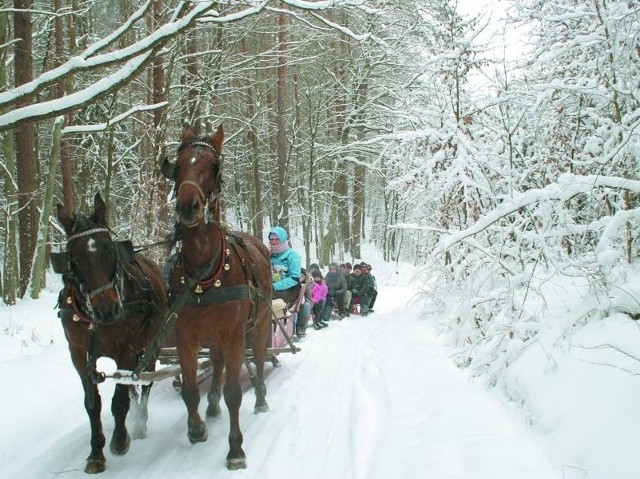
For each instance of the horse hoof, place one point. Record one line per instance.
(119, 447)
(95, 466)
(237, 463)
(197, 434)
(213, 410)
(139, 432)
(259, 409)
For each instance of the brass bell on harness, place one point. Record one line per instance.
(198, 289)
(217, 283)
(75, 318)
(227, 266)
(69, 300)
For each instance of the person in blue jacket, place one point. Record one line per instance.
(285, 265)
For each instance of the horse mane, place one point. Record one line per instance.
(83, 223)
(174, 237)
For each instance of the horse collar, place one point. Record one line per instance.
(78, 315)
(214, 279)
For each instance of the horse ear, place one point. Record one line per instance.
(99, 210)
(217, 139)
(187, 132)
(169, 169)
(66, 220)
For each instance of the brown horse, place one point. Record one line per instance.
(112, 305)
(225, 280)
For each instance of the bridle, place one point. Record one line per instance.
(212, 196)
(116, 283)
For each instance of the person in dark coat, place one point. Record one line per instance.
(346, 304)
(373, 294)
(360, 285)
(337, 288)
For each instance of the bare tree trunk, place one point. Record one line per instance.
(11, 255)
(193, 97)
(359, 171)
(158, 204)
(256, 213)
(358, 211)
(303, 193)
(10, 265)
(37, 280)
(67, 165)
(281, 122)
(26, 160)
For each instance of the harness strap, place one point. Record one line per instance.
(88, 232)
(195, 186)
(113, 284)
(130, 308)
(228, 293)
(188, 298)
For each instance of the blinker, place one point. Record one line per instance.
(60, 262)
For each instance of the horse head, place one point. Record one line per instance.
(197, 176)
(92, 262)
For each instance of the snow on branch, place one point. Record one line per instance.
(87, 60)
(564, 189)
(78, 99)
(113, 121)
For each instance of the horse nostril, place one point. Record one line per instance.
(187, 209)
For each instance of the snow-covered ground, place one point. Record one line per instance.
(376, 397)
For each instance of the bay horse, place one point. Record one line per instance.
(112, 305)
(224, 280)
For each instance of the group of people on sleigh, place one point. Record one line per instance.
(314, 296)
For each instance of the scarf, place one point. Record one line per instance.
(279, 248)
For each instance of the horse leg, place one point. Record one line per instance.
(120, 402)
(196, 428)
(217, 360)
(236, 459)
(96, 461)
(259, 356)
(138, 412)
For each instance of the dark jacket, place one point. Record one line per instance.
(359, 285)
(336, 283)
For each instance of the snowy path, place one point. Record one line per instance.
(367, 398)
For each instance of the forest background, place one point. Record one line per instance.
(499, 152)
